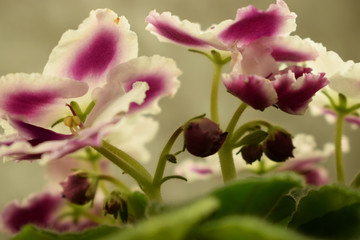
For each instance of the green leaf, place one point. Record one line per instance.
(244, 227)
(255, 196)
(173, 225)
(30, 232)
(283, 211)
(356, 182)
(331, 212)
(253, 138)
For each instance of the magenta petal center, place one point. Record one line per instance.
(156, 88)
(96, 57)
(202, 171)
(28, 103)
(39, 212)
(288, 55)
(253, 26)
(177, 35)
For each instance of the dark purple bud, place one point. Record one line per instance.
(278, 146)
(78, 189)
(203, 137)
(251, 153)
(116, 205)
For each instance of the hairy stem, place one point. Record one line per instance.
(163, 160)
(130, 166)
(225, 153)
(214, 111)
(338, 147)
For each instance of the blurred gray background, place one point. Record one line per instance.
(29, 29)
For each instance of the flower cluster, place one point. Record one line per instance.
(259, 43)
(93, 102)
(92, 81)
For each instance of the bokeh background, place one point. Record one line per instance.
(29, 29)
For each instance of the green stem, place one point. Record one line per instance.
(262, 169)
(225, 153)
(227, 162)
(338, 147)
(214, 111)
(114, 181)
(97, 168)
(235, 118)
(162, 159)
(130, 166)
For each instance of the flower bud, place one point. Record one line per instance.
(251, 153)
(278, 146)
(203, 137)
(78, 189)
(116, 205)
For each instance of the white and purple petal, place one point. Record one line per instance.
(87, 54)
(37, 98)
(292, 49)
(169, 28)
(158, 72)
(38, 210)
(36, 135)
(34, 142)
(198, 170)
(30, 142)
(328, 61)
(23, 149)
(256, 59)
(251, 24)
(294, 95)
(132, 134)
(347, 82)
(111, 101)
(254, 90)
(330, 115)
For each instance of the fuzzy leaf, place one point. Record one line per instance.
(172, 225)
(30, 232)
(283, 210)
(245, 227)
(332, 212)
(255, 196)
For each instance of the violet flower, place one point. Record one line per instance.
(42, 210)
(344, 79)
(39, 210)
(257, 80)
(258, 42)
(249, 25)
(95, 63)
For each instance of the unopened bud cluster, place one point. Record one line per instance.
(278, 147)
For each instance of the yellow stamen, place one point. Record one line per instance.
(68, 121)
(73, 122)
(76, 120)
